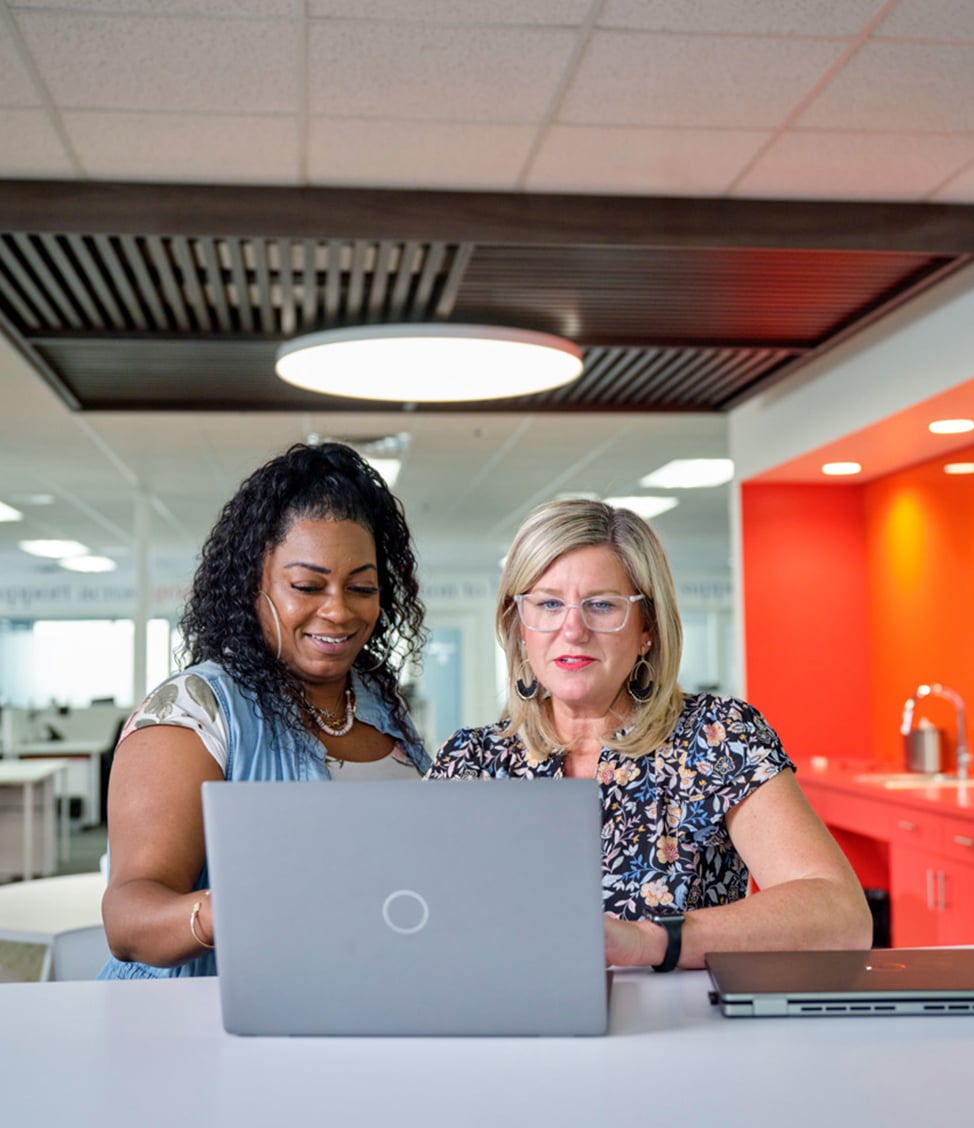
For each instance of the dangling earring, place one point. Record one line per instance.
(640, 684)
(277, 621)
(382, 621)
(527, 691)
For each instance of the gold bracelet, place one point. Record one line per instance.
(193, 918)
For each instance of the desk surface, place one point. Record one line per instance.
(155, 1053)
(36, 911)
(20, 772)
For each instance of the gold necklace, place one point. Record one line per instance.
(337, 721)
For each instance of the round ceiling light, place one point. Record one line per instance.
(428, 363)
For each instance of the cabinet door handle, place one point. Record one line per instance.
(963, 840)
(905, 824)
(931, 905)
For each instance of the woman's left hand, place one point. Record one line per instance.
(633, 943)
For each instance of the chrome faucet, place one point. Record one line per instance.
(963, 754)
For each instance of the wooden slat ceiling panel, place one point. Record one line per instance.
(678, 305)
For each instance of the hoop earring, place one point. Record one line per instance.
(640, 685)
(527, 691)
(277, 622)
(382, 621)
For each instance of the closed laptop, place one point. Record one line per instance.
(441, 908)
(882, 981)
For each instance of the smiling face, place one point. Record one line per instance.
(324, 581)
(585, 670)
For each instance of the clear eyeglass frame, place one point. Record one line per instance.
(583, 609)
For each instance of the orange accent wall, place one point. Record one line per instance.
(853, 596)
(805, 622)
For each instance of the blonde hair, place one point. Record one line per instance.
(548, 532)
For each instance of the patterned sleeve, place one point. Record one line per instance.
(461, 757)
(186, 701)
(732, 744)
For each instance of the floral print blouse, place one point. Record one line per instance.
(665, 844)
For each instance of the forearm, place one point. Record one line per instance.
(147, 922)
(800, 914)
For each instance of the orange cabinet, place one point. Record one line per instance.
(929, 855)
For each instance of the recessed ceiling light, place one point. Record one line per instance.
(53, 549)
(690, 474)
(441, 362)
(951, 426)
(841, 469)
(647, 506)
(89, 564)
(8, 513)
(959, 468)
(34, 499)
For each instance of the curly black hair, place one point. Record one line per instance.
(219, 623)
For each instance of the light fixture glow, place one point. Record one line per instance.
(648, 506)
(690, 474)
(89, 564)
(951, 426)
(841, 469)
(53, 549)
(8, 513)
(959, 468)
(387, 468)
(428, 363)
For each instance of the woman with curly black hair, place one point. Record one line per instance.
(303, 611)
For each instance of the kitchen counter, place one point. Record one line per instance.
(917, 843)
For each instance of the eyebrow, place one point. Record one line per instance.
(321, 571)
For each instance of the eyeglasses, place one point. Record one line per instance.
(604, 613)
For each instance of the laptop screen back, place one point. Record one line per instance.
(443, 908)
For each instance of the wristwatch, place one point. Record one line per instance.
(673, 923)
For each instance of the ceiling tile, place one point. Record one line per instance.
(616, 159)
(231, 8)
(561, 13)
(447, 74)
(30, 146)
(743, 17)
(916, 86)
(857, 166)
(700, 80)
(147, 63)
(416, 154)
(172, 147)
(950, 20)
(16, 87)
(959, 190)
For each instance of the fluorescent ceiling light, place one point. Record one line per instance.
(647, 506)
(387, 468)
(89, 564)
(8, 513)
(53, 549)
(951, 426)
(690, 474)
(428, 363)
(959, 468)
(841, 469)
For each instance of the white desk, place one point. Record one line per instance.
(37, 912)
(155, 1054)
(28, 775)
(84, 772)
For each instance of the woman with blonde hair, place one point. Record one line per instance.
(698, 794)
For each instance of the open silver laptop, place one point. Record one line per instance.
(931, 981)
(440, 908)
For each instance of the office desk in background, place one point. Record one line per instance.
(32, 820)
(83, 777)
(154, 1053)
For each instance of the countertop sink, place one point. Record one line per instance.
(904, 780)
